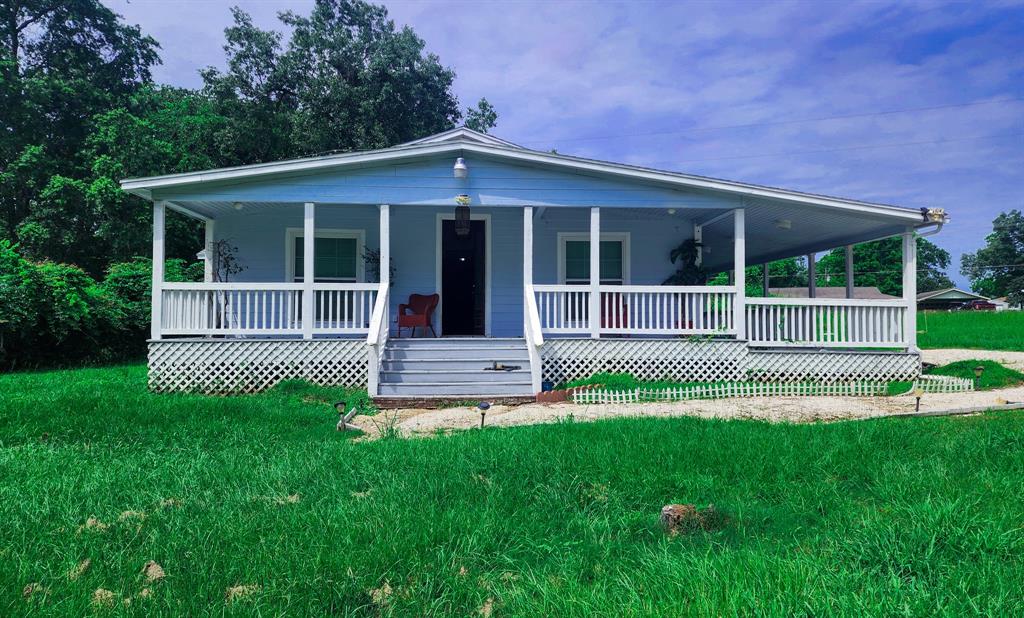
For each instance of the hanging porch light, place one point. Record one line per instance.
(462, 215)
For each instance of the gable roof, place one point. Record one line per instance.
(463, 141)
(938, 294)
(463, 133)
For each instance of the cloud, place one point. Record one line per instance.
(664, 82)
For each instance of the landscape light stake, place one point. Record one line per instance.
(917, 394)
(980, 369)
(483, 406)
(343, 418)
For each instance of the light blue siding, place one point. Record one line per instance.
(260, 232)
(430, 182)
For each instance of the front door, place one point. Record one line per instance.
(463, 264)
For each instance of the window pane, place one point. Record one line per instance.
(577, 261)
(334, 259)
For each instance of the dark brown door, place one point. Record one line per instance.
(463, 263)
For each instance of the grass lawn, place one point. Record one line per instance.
(980, 330)
(899, 516)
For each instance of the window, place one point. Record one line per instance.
(575, 266)
(337, 256)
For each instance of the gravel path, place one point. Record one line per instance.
(419, 422)
(1014, 360)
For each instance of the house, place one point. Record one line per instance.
(945, 299)
(1003, 304)
(866, 292)
(509, 238)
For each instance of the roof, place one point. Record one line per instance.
(865, 292)
(949, 294)
(463, 140)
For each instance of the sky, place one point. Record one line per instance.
(919, 104)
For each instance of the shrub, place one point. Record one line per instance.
(56, 314)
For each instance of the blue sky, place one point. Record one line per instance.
(803, 95)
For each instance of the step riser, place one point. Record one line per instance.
(482, 377)
(448, 365)
(453, 343)
(452, 390)
(457, 354)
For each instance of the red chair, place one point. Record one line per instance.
(614, 311)
(418, 312)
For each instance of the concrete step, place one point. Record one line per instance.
(471, 376)
(451, 364)
(456, 389)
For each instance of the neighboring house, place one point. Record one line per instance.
(1003, 304)
(509, 238)
(867, 293)
(945, 299)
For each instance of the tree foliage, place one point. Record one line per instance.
(879, 264)
(997, 269)
(79, 112)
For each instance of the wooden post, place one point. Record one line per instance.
(308, 259)
(739, 264)
(698, 239)
(595, 272)
(849, 271)
(210, 253)
(766, 283)
(385, 245)
(812, 277)
(159, 218)
(527, 246)
(910, 289)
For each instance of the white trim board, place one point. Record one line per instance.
(486, 218)
(292, 233)
(575, 236)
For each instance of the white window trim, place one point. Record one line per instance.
(295, 232)
(622, 237)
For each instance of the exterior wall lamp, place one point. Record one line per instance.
(460, 169)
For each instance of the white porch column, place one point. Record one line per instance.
(812, 277)
(739, 264)
(766, 280)
(595, 272)
(527, 246)
(159, 218)
(910, 289)
(308, 258)
(385, 245)
(208, 248)
(849, 271)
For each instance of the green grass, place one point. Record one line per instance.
(980, 330)
(994, 375)
(898, 516)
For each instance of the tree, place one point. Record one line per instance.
(878, 264)
(348, 79)
(997, 269)
(481, 118)
(785, 273)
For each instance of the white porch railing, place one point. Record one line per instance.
(533, 333)
(638, 309)
(822, 322)
(377, 338)
(264, 308)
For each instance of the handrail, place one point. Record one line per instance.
(377, 320)
(222, 287)
(839, 302)
(533, 334)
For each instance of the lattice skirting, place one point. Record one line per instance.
(713, 360)
(253, 365)
(792, 365)
(686, 360)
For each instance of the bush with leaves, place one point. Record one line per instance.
(56, 314)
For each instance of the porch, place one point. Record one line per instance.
(562, 257)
